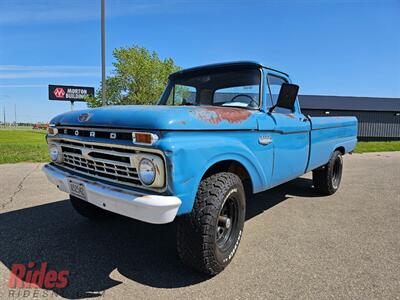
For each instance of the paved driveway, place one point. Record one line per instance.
(295, 245)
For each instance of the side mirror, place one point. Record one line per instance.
(287, 96)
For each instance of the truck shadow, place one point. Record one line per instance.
(97, 254)
(299, 187)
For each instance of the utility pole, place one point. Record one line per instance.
(103, 54)
(4, 115)
(15, 114)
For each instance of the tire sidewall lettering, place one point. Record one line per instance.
(224, 257)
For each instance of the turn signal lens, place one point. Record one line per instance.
(52, 130)
(144, 138)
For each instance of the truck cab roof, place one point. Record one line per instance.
(225, 65)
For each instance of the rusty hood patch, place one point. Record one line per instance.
(215, 115)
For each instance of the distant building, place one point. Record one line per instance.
(378, 118)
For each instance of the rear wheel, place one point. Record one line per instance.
(89, 210)
(327, 178)
(208, 237)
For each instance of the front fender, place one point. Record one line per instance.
(189, 156)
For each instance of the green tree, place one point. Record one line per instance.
(139, 77)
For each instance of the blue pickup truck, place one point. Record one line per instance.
(218, 134)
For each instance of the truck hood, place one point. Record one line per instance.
(161, 118)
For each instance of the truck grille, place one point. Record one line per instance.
(104, 162)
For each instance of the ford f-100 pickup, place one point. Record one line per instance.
(219, 132)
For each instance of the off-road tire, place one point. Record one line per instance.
(201, 243)
(327, 178)
(89, 210)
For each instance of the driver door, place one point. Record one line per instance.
(291, 136)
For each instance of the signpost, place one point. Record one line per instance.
(103, 53)
(70, 93)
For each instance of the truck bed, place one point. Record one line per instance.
(328, 134)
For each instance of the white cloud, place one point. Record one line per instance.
(50, 67)
(21, 86)
(47, 75)
(19, 71)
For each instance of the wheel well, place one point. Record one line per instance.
(234, 167)
(341, 149)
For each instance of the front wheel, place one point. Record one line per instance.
(327, 178)
(208, 237)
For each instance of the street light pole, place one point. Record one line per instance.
(103, 54)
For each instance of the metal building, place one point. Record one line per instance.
(378, 118)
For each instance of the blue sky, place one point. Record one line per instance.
(330, 47)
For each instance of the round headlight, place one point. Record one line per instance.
(147, 171)
(55, 154)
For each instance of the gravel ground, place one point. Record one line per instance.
(296, 244)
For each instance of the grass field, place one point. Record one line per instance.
(18, 145)
(363, 147)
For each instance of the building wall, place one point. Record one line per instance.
(372, 125)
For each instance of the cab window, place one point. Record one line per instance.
(275, 83)
(182, 95)
(245, 95)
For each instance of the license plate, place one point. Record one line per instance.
(77, 189)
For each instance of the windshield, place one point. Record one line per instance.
(233, 88)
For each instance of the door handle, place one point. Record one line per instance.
(303, 119)
(265, 140)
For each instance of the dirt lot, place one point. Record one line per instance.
(295, 245)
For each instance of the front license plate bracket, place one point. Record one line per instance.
(77, 189)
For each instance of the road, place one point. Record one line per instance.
(296, 244)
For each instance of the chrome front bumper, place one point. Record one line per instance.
(154, 209)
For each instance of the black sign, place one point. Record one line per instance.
(69, 93)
